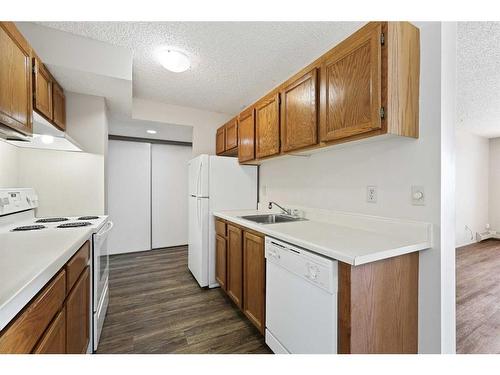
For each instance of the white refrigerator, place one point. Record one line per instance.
(216, 183)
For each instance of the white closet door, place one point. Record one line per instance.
(129, 196)
(169, 179)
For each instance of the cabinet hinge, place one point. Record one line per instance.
(382, 112)
(382, 39)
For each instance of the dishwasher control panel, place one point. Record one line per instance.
(314, 268)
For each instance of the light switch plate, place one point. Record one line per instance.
(371, 194)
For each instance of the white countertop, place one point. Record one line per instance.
(349, 238)
(28, 260)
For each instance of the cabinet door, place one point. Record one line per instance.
(78, 315)
(235, 265)
(231, 136)
(221, 260)
(43, 90)
(58, 106)
(267, 126)
(54, 339)
(254, 272)
(351, 86)
(246, 136)
(299, 113)
(220, 146)
(25, 330)
(15, 79)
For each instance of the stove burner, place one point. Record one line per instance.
(88, 218)
(28, 227)
(75, 224)
(52, 220)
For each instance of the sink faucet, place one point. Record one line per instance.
(285, 210)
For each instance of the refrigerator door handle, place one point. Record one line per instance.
(198, 211)
(198, 182)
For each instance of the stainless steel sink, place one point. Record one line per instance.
(271, 218)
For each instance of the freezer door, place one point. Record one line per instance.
(198, 176)
(198, 239)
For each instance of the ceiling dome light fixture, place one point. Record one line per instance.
(150, 131)
(173, 60)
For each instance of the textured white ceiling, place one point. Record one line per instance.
(478, 77)
(233, 63)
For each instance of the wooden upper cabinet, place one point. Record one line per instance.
(58, 106)
(78, 315)
(234, 284)
(42, 97)
(351, 85)
(254, 272)
(231, 134)
(246, 136)
(299, 112)
(267, 126)
(220, 146)
(15, 79)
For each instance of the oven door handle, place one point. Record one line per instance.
(109, 225)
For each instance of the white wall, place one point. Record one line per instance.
(447, 270)
(494, 184)
(337, 180)
(71, 183)
(472, 175)
(67, 183)
(9, 160)
(204, 123)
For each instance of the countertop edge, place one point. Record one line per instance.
(18, 301)
(330, 253)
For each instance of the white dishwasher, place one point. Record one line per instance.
(301, 300)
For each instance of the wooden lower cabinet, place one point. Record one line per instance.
(235, 265)
(22, 334)
(220, 260)
(78, 315)
(241, 269)
(254, 279)
(54, 339)
(378, 306)
(57, 319)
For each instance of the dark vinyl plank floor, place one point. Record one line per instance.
(156, 306)
(478, 297)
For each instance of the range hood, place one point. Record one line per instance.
(46, 136)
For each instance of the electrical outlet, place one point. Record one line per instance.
(371, 194)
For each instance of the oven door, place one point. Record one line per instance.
(101, 262)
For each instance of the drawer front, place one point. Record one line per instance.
(77, 264)
(54, 340)
(25, 330)
(220, 228)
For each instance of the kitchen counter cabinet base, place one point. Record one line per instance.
(378, 306)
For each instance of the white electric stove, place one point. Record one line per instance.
(17, 215)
